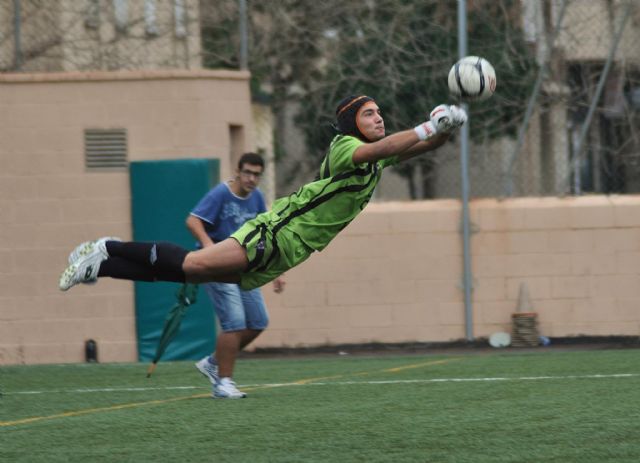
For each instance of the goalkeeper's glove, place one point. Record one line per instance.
(428, 129)
(439, 121)
(425, 130)
(441, 118)
(448, 118)
(458, 116)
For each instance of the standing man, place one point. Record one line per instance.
(242, 314)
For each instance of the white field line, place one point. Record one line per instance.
(105, 389)
(333, 383)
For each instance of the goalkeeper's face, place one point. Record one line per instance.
(369, 121)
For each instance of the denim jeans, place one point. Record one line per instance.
(237, 309)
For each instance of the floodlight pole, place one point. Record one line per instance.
(17, 44)
(244, 40)
(464, 161)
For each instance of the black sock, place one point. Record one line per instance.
(131, 250)
(144, 261)
(118, 267)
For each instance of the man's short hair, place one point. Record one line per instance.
(251, 158)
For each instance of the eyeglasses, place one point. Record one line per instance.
(251, 173)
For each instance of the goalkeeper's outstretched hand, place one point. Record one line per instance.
(443, 119)
(440, 116)
(458, 116)
(439, 122)
(447, 118)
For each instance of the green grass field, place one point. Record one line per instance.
(548, 405)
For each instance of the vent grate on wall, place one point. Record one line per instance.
(105, 148)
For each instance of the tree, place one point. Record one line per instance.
(397, 51)
(401, 52)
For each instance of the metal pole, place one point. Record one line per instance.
(17, 65)
(577, 187)
(244, 46)
(464, 160)
(532, 101)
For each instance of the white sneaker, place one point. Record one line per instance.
(85, 269)
(85, 248)
(210, 370)
(226, 389)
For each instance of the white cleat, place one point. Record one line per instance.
(85, 248)
(226, 389)
(85, 268)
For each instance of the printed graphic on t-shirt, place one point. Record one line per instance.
(235, 214)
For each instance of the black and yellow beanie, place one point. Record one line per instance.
(346, 113)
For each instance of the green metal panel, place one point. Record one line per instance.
(162, 195)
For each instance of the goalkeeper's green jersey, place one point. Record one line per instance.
(307, 220)
(318, 211)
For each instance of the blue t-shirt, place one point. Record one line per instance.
(223, 212)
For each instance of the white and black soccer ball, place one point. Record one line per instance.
(472, 79)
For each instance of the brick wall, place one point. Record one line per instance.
(49, 202)
(395, 274)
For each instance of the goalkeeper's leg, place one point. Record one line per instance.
(156, 261)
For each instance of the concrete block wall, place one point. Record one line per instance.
(395, 274)
(49, 202)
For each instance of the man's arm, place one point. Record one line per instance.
(196, 227)
(386, 147)
(422, 147)
(408, 143)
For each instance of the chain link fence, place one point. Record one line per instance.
(565, 119)
(88, 35)
(582, 135)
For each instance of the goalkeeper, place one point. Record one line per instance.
(296, 226)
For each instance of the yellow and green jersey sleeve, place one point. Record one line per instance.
(340, 156)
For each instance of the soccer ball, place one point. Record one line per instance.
(472, 79)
